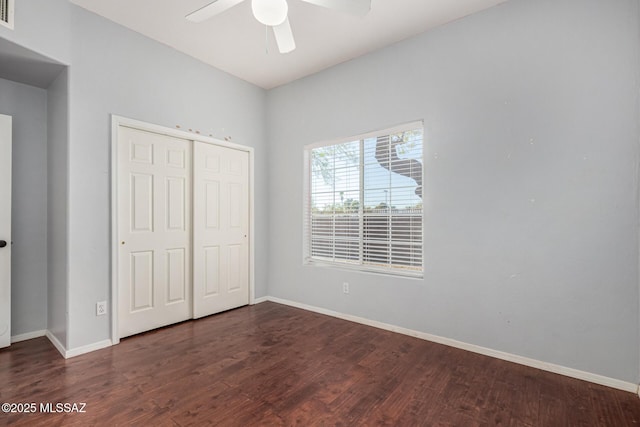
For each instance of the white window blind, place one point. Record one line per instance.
(363, 204)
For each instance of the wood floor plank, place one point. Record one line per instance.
(272, 365)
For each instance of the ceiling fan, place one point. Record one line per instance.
(274, 14)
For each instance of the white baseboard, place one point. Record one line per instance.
(57, 344)
(28, 336)
(549, 367)
(87, 348)
(78, 350)
(260, 300)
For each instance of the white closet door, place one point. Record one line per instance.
(154, 192)
(221, 227)
(5, 231)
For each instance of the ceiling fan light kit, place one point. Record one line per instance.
(273, 13)
(270, 12)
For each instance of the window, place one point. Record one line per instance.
(363, 204)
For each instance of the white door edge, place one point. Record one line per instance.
(116, 123)
(5, 230)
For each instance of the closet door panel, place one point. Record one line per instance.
(221, 227)
(154, 227)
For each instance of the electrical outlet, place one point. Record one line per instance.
(345, 288)
(101, 308)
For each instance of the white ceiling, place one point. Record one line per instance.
(235, 42)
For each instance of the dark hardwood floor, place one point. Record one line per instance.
(274, 365)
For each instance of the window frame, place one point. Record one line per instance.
(308, 259)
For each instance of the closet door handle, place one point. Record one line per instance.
(3, 243)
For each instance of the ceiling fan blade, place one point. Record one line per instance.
(284, 37)
(354, 7)
(212, 9)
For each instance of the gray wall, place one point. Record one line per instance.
(117, 71)
(531, 208)
(57, 182)
(28, 107)
(531, 115)
(43, 26)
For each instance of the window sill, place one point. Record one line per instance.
(419, 275)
